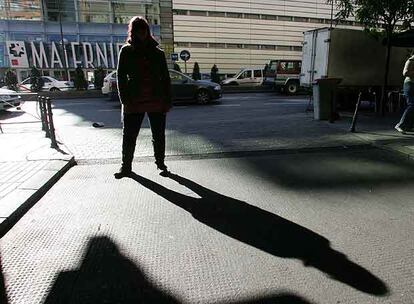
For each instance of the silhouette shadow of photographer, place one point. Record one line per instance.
(105, 275)
(267, 231)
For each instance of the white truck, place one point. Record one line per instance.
(354, 56)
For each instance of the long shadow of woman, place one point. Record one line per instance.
(267, 231)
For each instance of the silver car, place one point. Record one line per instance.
(9, 99)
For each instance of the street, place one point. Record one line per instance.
(264, 205)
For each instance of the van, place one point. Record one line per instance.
(249, 77)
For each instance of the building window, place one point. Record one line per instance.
(252, 46)
(283, 48)
(217, 45)
(252, 16)
(93, 11)
(21, 9)
(285, 18)
(56, 8)
(234, 15)
(180, 12)
(122, 12)
(300, 19)
(217, 14)
(198, 45)
(234, 46)
(268, 47)
(269, 17)
(182, 44)
(297, 48)
(197, 13)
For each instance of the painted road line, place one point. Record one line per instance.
(110, 110)
(227, 105)
(284, 103)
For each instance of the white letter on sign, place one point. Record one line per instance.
(87, 55)
(55, 53)
(39, 60)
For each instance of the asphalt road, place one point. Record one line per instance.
(240, 122)
(257, 210)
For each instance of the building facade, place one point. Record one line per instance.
(57, 36)
(246, 33)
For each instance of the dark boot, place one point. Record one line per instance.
(123, 172)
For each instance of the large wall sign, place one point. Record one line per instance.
(53, 55)
(17, 54)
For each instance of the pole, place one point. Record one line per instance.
(354, 118)
(54, 144)
(65, 64)
(332, 9)
(185, 62)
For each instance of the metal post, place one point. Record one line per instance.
(65, 64)
(354, 119)
(51, 125)
(42, 116)
(43, 108)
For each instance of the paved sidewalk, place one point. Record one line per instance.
(28, 166)
(288, 229)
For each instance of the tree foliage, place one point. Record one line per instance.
(36, 80)
(196, 72)
(384, 14)
(215, 77)
(98, 77)
(80, 80)
(177, 67)
(11, 80)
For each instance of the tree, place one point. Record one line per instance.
(214, 75)
(11, 80)
(378, 14)
(177, 67)
(36, 80)
(98, 75)
(80, 81)
(196, 72)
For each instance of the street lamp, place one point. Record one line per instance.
(62, 41)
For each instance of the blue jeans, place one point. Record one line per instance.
(407, 119)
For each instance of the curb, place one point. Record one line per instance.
(31, 197)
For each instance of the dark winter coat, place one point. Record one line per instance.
(130, 77)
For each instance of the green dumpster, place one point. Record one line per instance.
(324, 98)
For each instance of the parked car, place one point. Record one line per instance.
(8, 99)
(49, 84)
(249, 77)
(183, 88)
(106, 88)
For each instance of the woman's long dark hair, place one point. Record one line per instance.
(136, 23)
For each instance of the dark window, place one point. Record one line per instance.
(283, 48)
(198, 44)
(182, 44)
(300, 19)
(257, 73)
(252, 16)
(180, 12)
(297, 49)
(217, 45)
(284, 18)
(217, 14)
(197, 13)
(252, 46)
(234, 15)
(234, 46)
(269, 17)
(268, 47)
(245, 74)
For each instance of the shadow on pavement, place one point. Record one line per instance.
(268, 232)
(340, 169)
(3, 296)
(107, 276)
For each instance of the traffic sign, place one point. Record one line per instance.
(174, 57)
(185, 55)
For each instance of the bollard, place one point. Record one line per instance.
(42, 113)
(51, 125)
(354, 118)
(45, 115)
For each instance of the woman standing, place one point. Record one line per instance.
(144, 87)
(407, 120)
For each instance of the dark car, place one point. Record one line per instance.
(183, 89)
